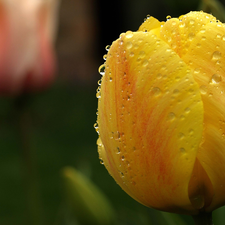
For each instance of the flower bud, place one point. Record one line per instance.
(27, 61)
(161, 113)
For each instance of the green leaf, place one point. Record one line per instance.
(219, 216)
(172, 219)
(87, 203)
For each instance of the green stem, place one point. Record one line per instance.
(23, 124)
(203, 218)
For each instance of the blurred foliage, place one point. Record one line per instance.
(85, 201)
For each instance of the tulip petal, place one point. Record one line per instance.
(199, 40)
(207, 61)
(150, 24)
(150, 117)
(179, 33)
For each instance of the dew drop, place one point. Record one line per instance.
(98, 94)
(121, 42)
(105, 56)
(168, 17)
(187, 110)
(156, 91)
(196, 70)
(174, 23)
(176, 92)
(129, 34)
(216, 55)
(191, 22)
(182, 117)
(171, 116)
(145, 63)
(107, 47)
(203, 89)
(198, 45)
(141, 54)
(159, 75)
(131, 54)
(97, 130)
(203, 38)
(216, 78)
(100, 82)
(129, 45)
(101, 69)
(191, 131)
(182, 25)
(181, 136)
(101, 161)
(191, 36)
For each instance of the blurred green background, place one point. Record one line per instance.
(61, 118)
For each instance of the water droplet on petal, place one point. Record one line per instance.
(145, 63)
(156, 91)
(191, 36)
(181, 136)
(98, 94)
(203, 89)
(97, 130)
(129, 45)
(159, 75)
(191, 22)
(216, 55)
(191, 131)
(216, 78)
(141, 54)
(196, 70)
(107, 47)
(121, 42)
(187, 110)
(176, 92)
(168, 17)
(171, 116)
(101, 69)
(131, 54)
(129, 34)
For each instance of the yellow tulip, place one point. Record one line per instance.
(161, 113)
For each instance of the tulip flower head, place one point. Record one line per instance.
(26, 55)
(161, 113)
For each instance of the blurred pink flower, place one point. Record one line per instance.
(27, 29)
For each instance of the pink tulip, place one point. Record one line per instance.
(27, 61)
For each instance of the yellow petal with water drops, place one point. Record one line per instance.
(206, 58)
(180, 32)
(150, 117)
(149, 24)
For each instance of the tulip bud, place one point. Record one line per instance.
(161, 113)
(26, 53)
